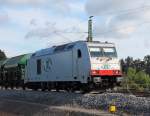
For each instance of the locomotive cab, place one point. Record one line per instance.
(105, 65)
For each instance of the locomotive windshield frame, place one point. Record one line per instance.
(96, 51)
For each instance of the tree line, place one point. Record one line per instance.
(2, 55)
(138, 64)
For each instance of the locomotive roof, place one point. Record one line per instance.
(43, 51)
(53, 49)
(69, 46)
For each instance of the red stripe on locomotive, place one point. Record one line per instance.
(106, 73)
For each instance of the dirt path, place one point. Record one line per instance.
(11, 107)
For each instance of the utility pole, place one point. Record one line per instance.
(90, 36)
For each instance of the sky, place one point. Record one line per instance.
(30, 25)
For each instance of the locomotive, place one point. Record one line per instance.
(76, 65)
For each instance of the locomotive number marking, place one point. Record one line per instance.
(48, 65)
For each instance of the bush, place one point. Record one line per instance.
(136, 80)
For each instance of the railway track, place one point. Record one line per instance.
(131, 92)
(127, 92)
(137, 93)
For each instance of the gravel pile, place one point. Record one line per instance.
(124, 103)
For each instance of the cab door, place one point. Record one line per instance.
(77, 70)
(79, 63)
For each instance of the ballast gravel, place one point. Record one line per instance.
(124, 103)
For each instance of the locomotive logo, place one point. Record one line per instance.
(105, 66)
(48, 65)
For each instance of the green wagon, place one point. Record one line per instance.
(14, 71)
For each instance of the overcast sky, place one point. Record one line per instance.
(29, 25)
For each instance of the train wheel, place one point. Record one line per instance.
(34, 89)
(43, 88)
(24, 87)
(57, 89)
(49, 87)
(1, 86)
(71, 89)
(85, 88)
(67, 89)
(12, 87)
(6, 87)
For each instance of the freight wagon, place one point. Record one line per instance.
(13, 71)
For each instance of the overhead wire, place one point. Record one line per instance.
(127, 11)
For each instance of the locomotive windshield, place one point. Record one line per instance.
(110, 52)
(103, 52)
(96, 52)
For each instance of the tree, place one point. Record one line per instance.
(138, 65)
(123, 65)
(2, 55)
(129, 61)
(147, 64)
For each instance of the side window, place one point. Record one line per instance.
(79, 53)
(39, 66)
